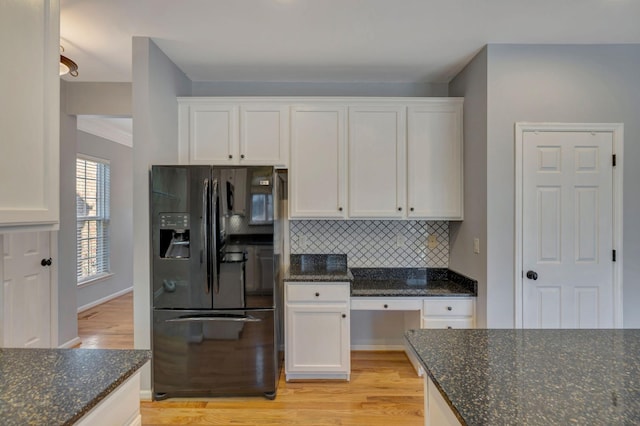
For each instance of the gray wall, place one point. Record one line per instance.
(471, 83)
(156, 83)
(83, 98)
(67, 287)
(262, 88)
(579, 83)
(121, 221)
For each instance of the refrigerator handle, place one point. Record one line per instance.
(205, 232)
(239, 318)
(215, 227)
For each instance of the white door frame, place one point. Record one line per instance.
(617, 129)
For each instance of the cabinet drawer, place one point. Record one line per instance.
(448, 307)
(428, 322)
(385, 304)
(318, 292)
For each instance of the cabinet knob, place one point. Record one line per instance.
(411, 209)
(230, 156)
(449, 308)
(449, 326)
(46, 262)
(399, 209)
(242, 156)
(317, 294)
(532, 275)
(339, 209)
(344, 315)
(386, 306)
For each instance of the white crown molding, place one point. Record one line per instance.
(114, 129)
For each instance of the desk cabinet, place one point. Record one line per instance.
(317, 336)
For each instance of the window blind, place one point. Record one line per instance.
(92, 212)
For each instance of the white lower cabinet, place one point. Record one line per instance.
(120, 407)
(450, 312)
(317, 331)
(436, 410)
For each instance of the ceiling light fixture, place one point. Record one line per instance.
(67, 66)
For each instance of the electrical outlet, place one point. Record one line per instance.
(401, 241)
(476, 245)
(432, 241)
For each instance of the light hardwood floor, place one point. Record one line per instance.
(384, 389)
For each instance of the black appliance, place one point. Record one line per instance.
(210, 337)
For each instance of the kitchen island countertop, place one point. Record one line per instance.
(534, 377)
(59, 386)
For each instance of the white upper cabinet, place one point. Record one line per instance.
(377, 178)
(317, 175)
(264, 134)
(434, 160)
(232, 131)
(29, 115)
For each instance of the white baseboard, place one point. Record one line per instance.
(377, 348)
(71, 343)
(145, 395)
(104, 299)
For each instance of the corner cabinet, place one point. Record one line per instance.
(233, 131)
(317, 330)
(434, 160)
(29, 115)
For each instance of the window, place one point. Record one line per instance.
(92, 212)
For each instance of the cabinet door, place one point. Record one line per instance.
(264, 134)
(317, 162)
(318, 339)
(434, 153)
(29, 114)
(377, 140)
(213, 134)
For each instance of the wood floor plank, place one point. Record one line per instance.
(384, 388)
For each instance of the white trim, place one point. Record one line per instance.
(94, 279)
(145, 395)
(104, 299)
(617, 130)
(53, 289)
(110, 128)
(71, 343)
(399, 348)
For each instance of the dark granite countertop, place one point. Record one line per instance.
(59, 386)
(534, 377)
(419, 282)
(318, 268)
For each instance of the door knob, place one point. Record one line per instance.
(532, 275)
(46, 262)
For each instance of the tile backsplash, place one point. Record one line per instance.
(374, 243)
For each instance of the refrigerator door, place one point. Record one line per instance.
(180, 207)
(214, 353)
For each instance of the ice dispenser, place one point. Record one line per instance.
(174, 235)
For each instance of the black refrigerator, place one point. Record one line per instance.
(210, 336)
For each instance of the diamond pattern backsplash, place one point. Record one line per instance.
(374, 243)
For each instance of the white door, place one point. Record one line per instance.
(434, 160)
(567, 229)
(213, 134)
(264, 134)
(26, 290)
(377, 172)
(317, 174)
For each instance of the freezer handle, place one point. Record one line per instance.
(205, 231)
(215, 212)
(233, 318)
